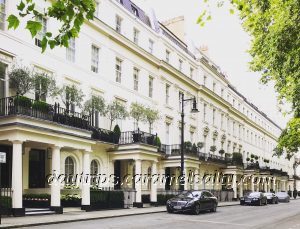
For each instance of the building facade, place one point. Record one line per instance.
(126, 55)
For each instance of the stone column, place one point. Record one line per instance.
(283, 186)
(55, 185)
(196, 179)
(16, 179)
(234, 187)
(108, 182)
(265, 184)
(252, 184)
(241, 188)
(85, 188)
(26, 167)
(186, 181)
(274, 184)
(153, 195)
(138, 184)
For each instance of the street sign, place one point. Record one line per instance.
(2, 157)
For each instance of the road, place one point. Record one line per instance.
(281, 216)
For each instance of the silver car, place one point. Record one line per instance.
(283, 197)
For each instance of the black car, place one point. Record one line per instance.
(271, 198)
(254, 198)
(193, 201)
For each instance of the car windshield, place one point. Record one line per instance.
(185, 195)
(254, 194)
(281, 194)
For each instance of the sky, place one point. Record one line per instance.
(227, 44)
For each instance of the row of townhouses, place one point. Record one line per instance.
(126, 55)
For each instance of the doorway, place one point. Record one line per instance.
(37, 168)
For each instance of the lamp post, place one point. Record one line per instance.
(194, 110)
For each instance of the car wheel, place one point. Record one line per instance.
(169, 210)
(196, 210)
(214, 209)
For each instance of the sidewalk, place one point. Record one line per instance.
(74, 214)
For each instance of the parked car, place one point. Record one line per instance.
(283, 197)
(254, 198)
(271, 197)
(193, 201)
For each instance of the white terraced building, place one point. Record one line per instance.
(126, 55)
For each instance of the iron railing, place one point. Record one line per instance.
(6, 201)
(174, 150)
(138, 136)
(104, 135)
(20, 105)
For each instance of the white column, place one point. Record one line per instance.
(252, 184)
(55, 186)
(196, 179)
(241, 188)
(153, 195)
(274, 184)
(265, 184)
(234, 187)
(138, 182)
(16, 179)
(186, 176)
(111, 169)
(85, 190)
(283, 186)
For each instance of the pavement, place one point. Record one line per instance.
(272, 216)
(72, 215)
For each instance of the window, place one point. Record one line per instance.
(94, 172)
(180, 64)
(214, 116)
(204, 80)
(71, 50)
(96, 14)
(191, 72)
(135, 79)
(95, 59)
(151, 45)
(150, 86)
(2, 79)
(69, 169)
(118, 24)
(233, 129)
(167, 133)
(135, 11)
(136, 36)
(118, 70)
(214, 87)
(70, 101)
(222, 121)
(167, 56)
(40, 87)
(233, 102)
(204, 111)
(222, 92)
(42, 32)
(120, 1)
(167, 93)
(2, 14)
(180, 100)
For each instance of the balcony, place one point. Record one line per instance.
(20, 105)
(174, 150)
(137, 137)
(252, 166)
(104, 135)
(215, 158)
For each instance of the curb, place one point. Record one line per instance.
(88, 219)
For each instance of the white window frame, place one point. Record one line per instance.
(151, 79)
(95, 58)
(39, 37)
(71, 50)
(118, 69)
(136, 79)
(136, 34)
(167, 94)
(151, 45)
(2, 14)
(168, 56)
(180, 63)
(118, 21)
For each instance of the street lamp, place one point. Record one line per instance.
(194, 110)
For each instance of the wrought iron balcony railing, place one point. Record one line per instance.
(21, 105)
(137, 136)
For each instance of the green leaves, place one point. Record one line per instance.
(62, 11)
(34, 27)
(13, 21)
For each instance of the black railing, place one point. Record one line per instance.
(138, 136)
(253, 166)
(175, 150)
(21, 105)
(104, 135)
(6, 201)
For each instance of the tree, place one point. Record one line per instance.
(44, 85)
(115, 110)
(71, 96)
(95, 103)
(151, 115)
(20, 79)
(70, 15)
(274, 28)
(137, 112)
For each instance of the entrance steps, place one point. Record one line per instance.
(38, 211)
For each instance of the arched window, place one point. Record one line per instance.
(94, 172)
(69, 169)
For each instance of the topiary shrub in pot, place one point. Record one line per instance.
(237, 158)
(117, 133)
(213, 149)
(248, 159)
(157, 141)
(221, 151)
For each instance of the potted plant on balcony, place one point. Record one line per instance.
(221, 152)
(115, 110)
(95, 105)
(151, 116)
(157, 141)
(117, 134)
(247, 159)
(20, 79)
(237, 158)
(213, 149)
(137, 112)
(200, 145)
(194, 149)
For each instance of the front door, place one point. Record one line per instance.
(5, 177)
(37, 168)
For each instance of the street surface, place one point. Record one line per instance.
(281, 216)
